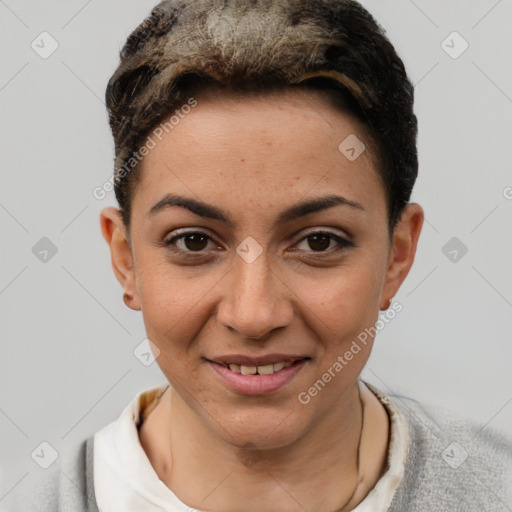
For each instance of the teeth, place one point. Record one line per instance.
(248, 370)
(267, 369)
(278, 367)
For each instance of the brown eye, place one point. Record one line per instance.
(195, 241)
(189, 242)
(320, 242)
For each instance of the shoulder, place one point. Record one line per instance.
(66, 486)
(453, 463)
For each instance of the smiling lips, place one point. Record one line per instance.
(267, 369)
(265, 365)
(262, 375)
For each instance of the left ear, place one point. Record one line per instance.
(402, 252)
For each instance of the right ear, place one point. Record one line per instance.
(115, 234)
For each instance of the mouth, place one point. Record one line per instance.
(258, 366)
(255, 376)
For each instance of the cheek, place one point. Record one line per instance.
(176, 304)
(166, 299)
(344, 310)
(346, 302)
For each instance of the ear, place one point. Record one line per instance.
(402, 252)
(115, 234)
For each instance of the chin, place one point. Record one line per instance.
(259, 429)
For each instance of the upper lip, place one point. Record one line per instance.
(262, 360)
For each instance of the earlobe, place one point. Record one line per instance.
(403, 250)
(114, 233)
(385, 303)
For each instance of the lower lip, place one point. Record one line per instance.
(257, 384)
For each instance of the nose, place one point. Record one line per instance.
(255, 300)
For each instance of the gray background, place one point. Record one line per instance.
(67, 366)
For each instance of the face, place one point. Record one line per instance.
(255, 242)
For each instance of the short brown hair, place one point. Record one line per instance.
(260, 45)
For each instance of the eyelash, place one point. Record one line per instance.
(343, 244)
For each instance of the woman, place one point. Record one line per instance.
(265, 157)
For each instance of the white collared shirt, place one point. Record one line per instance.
(125, 481)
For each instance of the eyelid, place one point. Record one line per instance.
(177, 233)
(343, 240)
(313, 231)
(343, 243)
(169, 242)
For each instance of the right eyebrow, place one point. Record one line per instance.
(292, 213)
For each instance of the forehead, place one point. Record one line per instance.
(265, 148)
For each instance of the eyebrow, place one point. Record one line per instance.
(294, 212)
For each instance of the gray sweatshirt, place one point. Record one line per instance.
(453, 465)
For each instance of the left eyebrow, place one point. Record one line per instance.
(294, 212)
(315, 205)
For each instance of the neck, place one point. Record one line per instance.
(207, 473)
